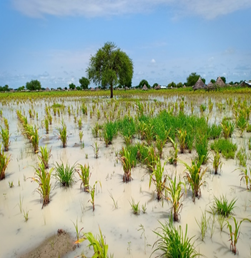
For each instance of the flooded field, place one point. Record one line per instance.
(160, 131)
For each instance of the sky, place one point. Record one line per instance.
(52, 40)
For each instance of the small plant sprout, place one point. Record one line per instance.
(144, 208)
(43, 178)
(92, 193)
(222, 222)
(203, 225)
(26, 215)
(182, 139)
(84, 174)
(44, 155)
(135, 207)
(159, 179)
(81, 134)
(11, 184)
(46, 124)
(174, 153)
(143, 234)
(115, 203)
(234, 233)
(4, 161)
(95, 149)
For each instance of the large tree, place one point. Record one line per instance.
(33, 85)
(144, 82)
(193, 78)
(84, 83)
(110, 66)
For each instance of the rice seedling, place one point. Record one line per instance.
(46, 124)
(225, 147)
(63, 134)
(84, 109)
(151, 158)
(96, 129)
(80, 124)
(92, 193)
(44, 155)
(4, 161)
(241, 124)
(174, 193)
(214, 131)
(242, 157)
(212, 220)
(247, 178)
(135, 207)
(181, 133)
(64, 174)
(43, 179)
(5, 138)
(203, 108)
(216, 162)
(194, 177)
(172, 242)
(110, 130)
(221, 206)
(95, 149)
(32, 134)
(201, 147)
(160, 145)
(84, 174)
(158, 178)
(98, 244)
(234, 232)
(227, 128)
(174, 154)
(81, 134)
(127, 163)
(203, 225)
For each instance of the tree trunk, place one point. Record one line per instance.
(111, 91)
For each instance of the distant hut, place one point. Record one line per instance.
(199, 84)
(126, 88)
(92, 89)
(47, 89)
(157, 87)
(144, 87)
(220, 82)
(184, 86)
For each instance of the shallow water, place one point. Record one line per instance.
(120, 226)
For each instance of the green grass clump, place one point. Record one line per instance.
(4, 161)
(225, 147)
(110, 130)
(214, 131)
(64, 174)
(172, 242)
(222, 207)
(57, 105)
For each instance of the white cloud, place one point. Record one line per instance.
(153, 61)
(208, 9)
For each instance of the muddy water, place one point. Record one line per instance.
(119, 225)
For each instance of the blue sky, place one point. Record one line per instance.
(52, 40)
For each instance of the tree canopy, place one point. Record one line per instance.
(72, 86)
(171, 84)
(155, 84)
(193, 78)
(144, 82)
(84, 83)
(110, 66)
(33, 85)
